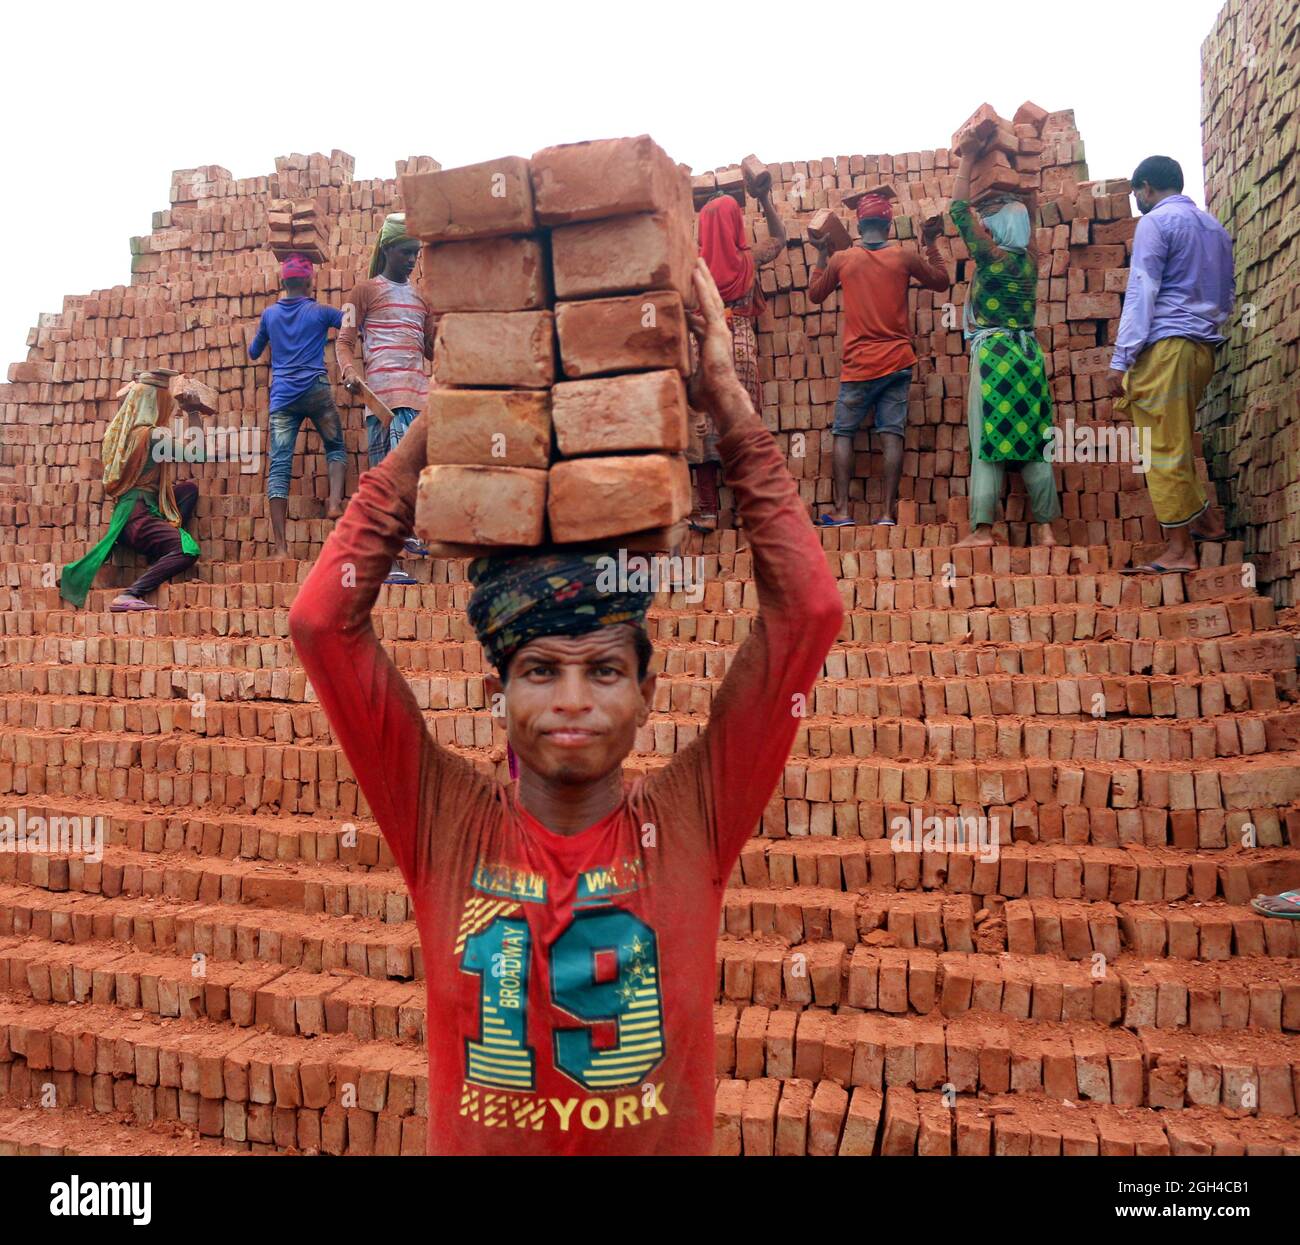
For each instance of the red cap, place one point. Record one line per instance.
(875, 207)
(298, 266)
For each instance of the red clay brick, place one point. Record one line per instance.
(642, 411)
(592, 498)
(499, 349)
(474, 201)
(489, 274)
(638, 332)
(481, 505)
(489, 428)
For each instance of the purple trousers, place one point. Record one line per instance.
(159, 542)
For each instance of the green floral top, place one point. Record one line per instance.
(1004, 289)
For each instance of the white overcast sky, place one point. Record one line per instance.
(100, 101)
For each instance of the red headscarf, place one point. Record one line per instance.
(296, 266)
(875, 207)
(725, 248)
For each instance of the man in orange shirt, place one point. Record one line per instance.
(877, 359)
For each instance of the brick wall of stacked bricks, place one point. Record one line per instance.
(1250, 70)
(1101, 986)
(204, 274)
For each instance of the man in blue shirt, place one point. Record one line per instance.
(1179, 297)
(296, 328)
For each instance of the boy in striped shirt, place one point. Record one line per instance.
(396, 328)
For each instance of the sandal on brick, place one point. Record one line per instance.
(1153, 568)
(1286, 904)
(825, 520)
(126, 604)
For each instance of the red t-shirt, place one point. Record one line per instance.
(571, 978)
(877, 328)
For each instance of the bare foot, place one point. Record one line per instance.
(334, 510)
(980, 538)
(1044, 534)
(279, 551)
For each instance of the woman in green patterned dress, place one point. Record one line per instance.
(1009, 409)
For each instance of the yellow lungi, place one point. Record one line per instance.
(1161, 392)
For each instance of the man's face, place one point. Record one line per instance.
(1145, 196)
(573, 703)
(401, 259)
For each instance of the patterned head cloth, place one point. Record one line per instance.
(518, 599)
(875, 207)
(394, 230)
(296, 267)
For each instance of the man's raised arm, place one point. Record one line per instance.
(373, 714)
(765, 695)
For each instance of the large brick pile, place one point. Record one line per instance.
(243, 961)
(1250, 76)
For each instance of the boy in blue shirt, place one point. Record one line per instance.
(296, 328)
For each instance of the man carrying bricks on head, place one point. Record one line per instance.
(1180, 292)
(397, 328)
(568, 921)
(876, 365)
(296, 328)
(734, 265)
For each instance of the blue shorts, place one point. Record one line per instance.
(887, 395)
(316, 404)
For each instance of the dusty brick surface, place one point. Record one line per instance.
(645, 411)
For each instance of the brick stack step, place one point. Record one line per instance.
(794, 1116)
(219, 1080)
(74, 1132)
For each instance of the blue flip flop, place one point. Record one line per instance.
(1290, 898)
(1152, 568)
(825, 520)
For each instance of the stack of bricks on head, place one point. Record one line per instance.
(559, 414)
(296, 228)
(1012, 159)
